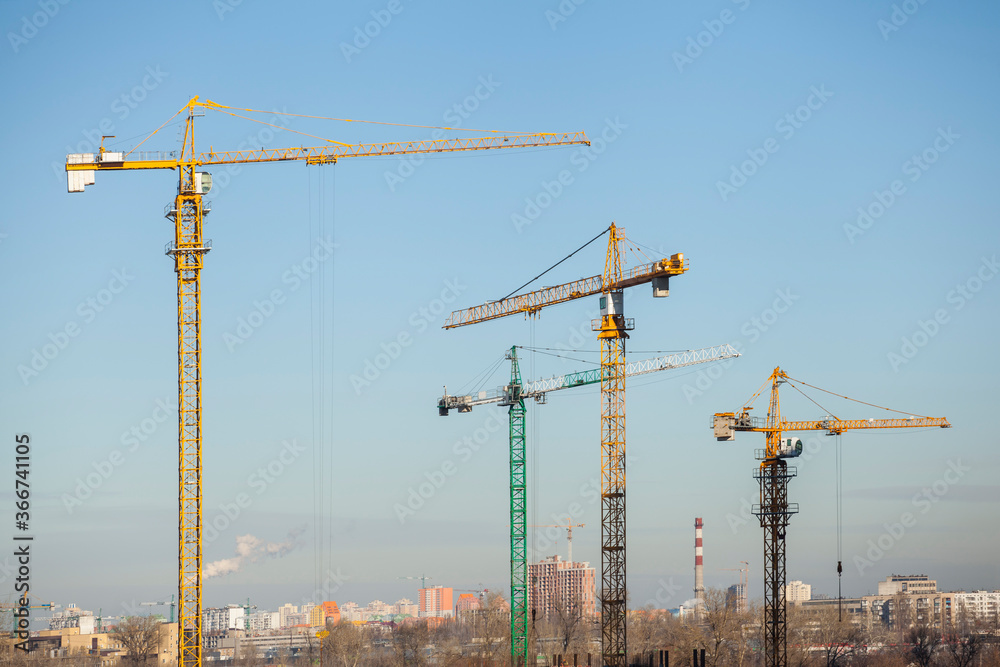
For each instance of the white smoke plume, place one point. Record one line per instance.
(250, 549)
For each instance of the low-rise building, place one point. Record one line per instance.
(908, 584)
(103, 647)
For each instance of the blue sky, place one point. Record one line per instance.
(834, 162)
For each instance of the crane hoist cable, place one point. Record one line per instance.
(315, 388)
(229, 110)
(321, 318)
(282, 127)
(554, 266)
(812, 401)
(155, 131)
(880, 407)
(840, 528)
(534, 472)
(480, 379)
(533, 350)
(640, 256)
(562, 349)
(215, 105)
(333, 318)
(324, 486)
(141, 134)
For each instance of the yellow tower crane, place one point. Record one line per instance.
(774, 510)
(612, 330)
(188, 250)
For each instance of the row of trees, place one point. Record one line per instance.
(729, 636)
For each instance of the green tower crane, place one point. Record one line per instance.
(512, 396)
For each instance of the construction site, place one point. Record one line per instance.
(253, 424)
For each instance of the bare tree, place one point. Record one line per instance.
(797, 633)
(139, 636)
(962, 650)
(901, 614)
(346, 645)
(839, 639)
(312, 650)
(247, 656)
(924, 641)
(570, 626)
(650, 629)
(493, 629)
(408, 643)
(641, 629)
(723, 623)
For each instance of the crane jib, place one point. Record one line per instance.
(116, 160)
(532, 302)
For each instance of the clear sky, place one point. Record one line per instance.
(829, 169)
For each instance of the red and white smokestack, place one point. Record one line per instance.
(699, 577)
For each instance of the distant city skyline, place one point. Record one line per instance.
(839, 215)
(574, 575)
(289, 614)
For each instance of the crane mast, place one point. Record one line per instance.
(518, 519)
(773, 512)
(612, 335)
(773, 475)
(188, 249)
